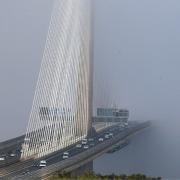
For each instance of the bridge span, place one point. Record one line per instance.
(78, 157)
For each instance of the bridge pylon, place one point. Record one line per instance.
(61, 112)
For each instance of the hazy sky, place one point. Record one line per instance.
(137, 51)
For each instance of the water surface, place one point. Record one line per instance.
(154, 152)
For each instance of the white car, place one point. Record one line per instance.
(66, 153)
(100, 139)
(106, 136)
(126, 124)
(111, 134)
(12, 155)
(65, 156)
(86, 147)
(84, 141)
(2, 158)
(43, 163)
(78, 145)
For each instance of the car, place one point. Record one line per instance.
(86, 147)
(111, 134)
(66, 153)
(2, 158)
(12, 155)
(65, 156)
(42, 163)
(84, 141)
(100, 139)
(126, 124)
(106, 136)
(78, 145)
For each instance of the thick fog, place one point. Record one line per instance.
(138, 45)
(23, 30)
(137, 60)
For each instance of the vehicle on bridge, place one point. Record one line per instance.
(106, 136)
(111, 134)
(84, 141)
(42, 163)
(78, 145)
(86, 147)
(66, 155)
(100, 139)
(12, 155)
(2, 158)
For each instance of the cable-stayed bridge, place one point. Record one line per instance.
(62, 107)
(60, 134)
(14, 168)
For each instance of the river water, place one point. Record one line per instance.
(154, 152)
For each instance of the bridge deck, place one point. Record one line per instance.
(78, 158)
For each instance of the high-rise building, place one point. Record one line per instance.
(62, 107)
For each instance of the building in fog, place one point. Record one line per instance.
(111, 115)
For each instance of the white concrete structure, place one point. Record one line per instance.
(61, 111)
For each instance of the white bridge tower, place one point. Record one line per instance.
(62, 108)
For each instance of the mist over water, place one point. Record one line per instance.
(137, 60)
(137, 47)
(154, 152)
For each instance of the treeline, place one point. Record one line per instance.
(93, 176)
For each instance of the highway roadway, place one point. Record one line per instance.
(31, 165)
(23, 170)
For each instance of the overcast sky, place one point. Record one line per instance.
(137, 53)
